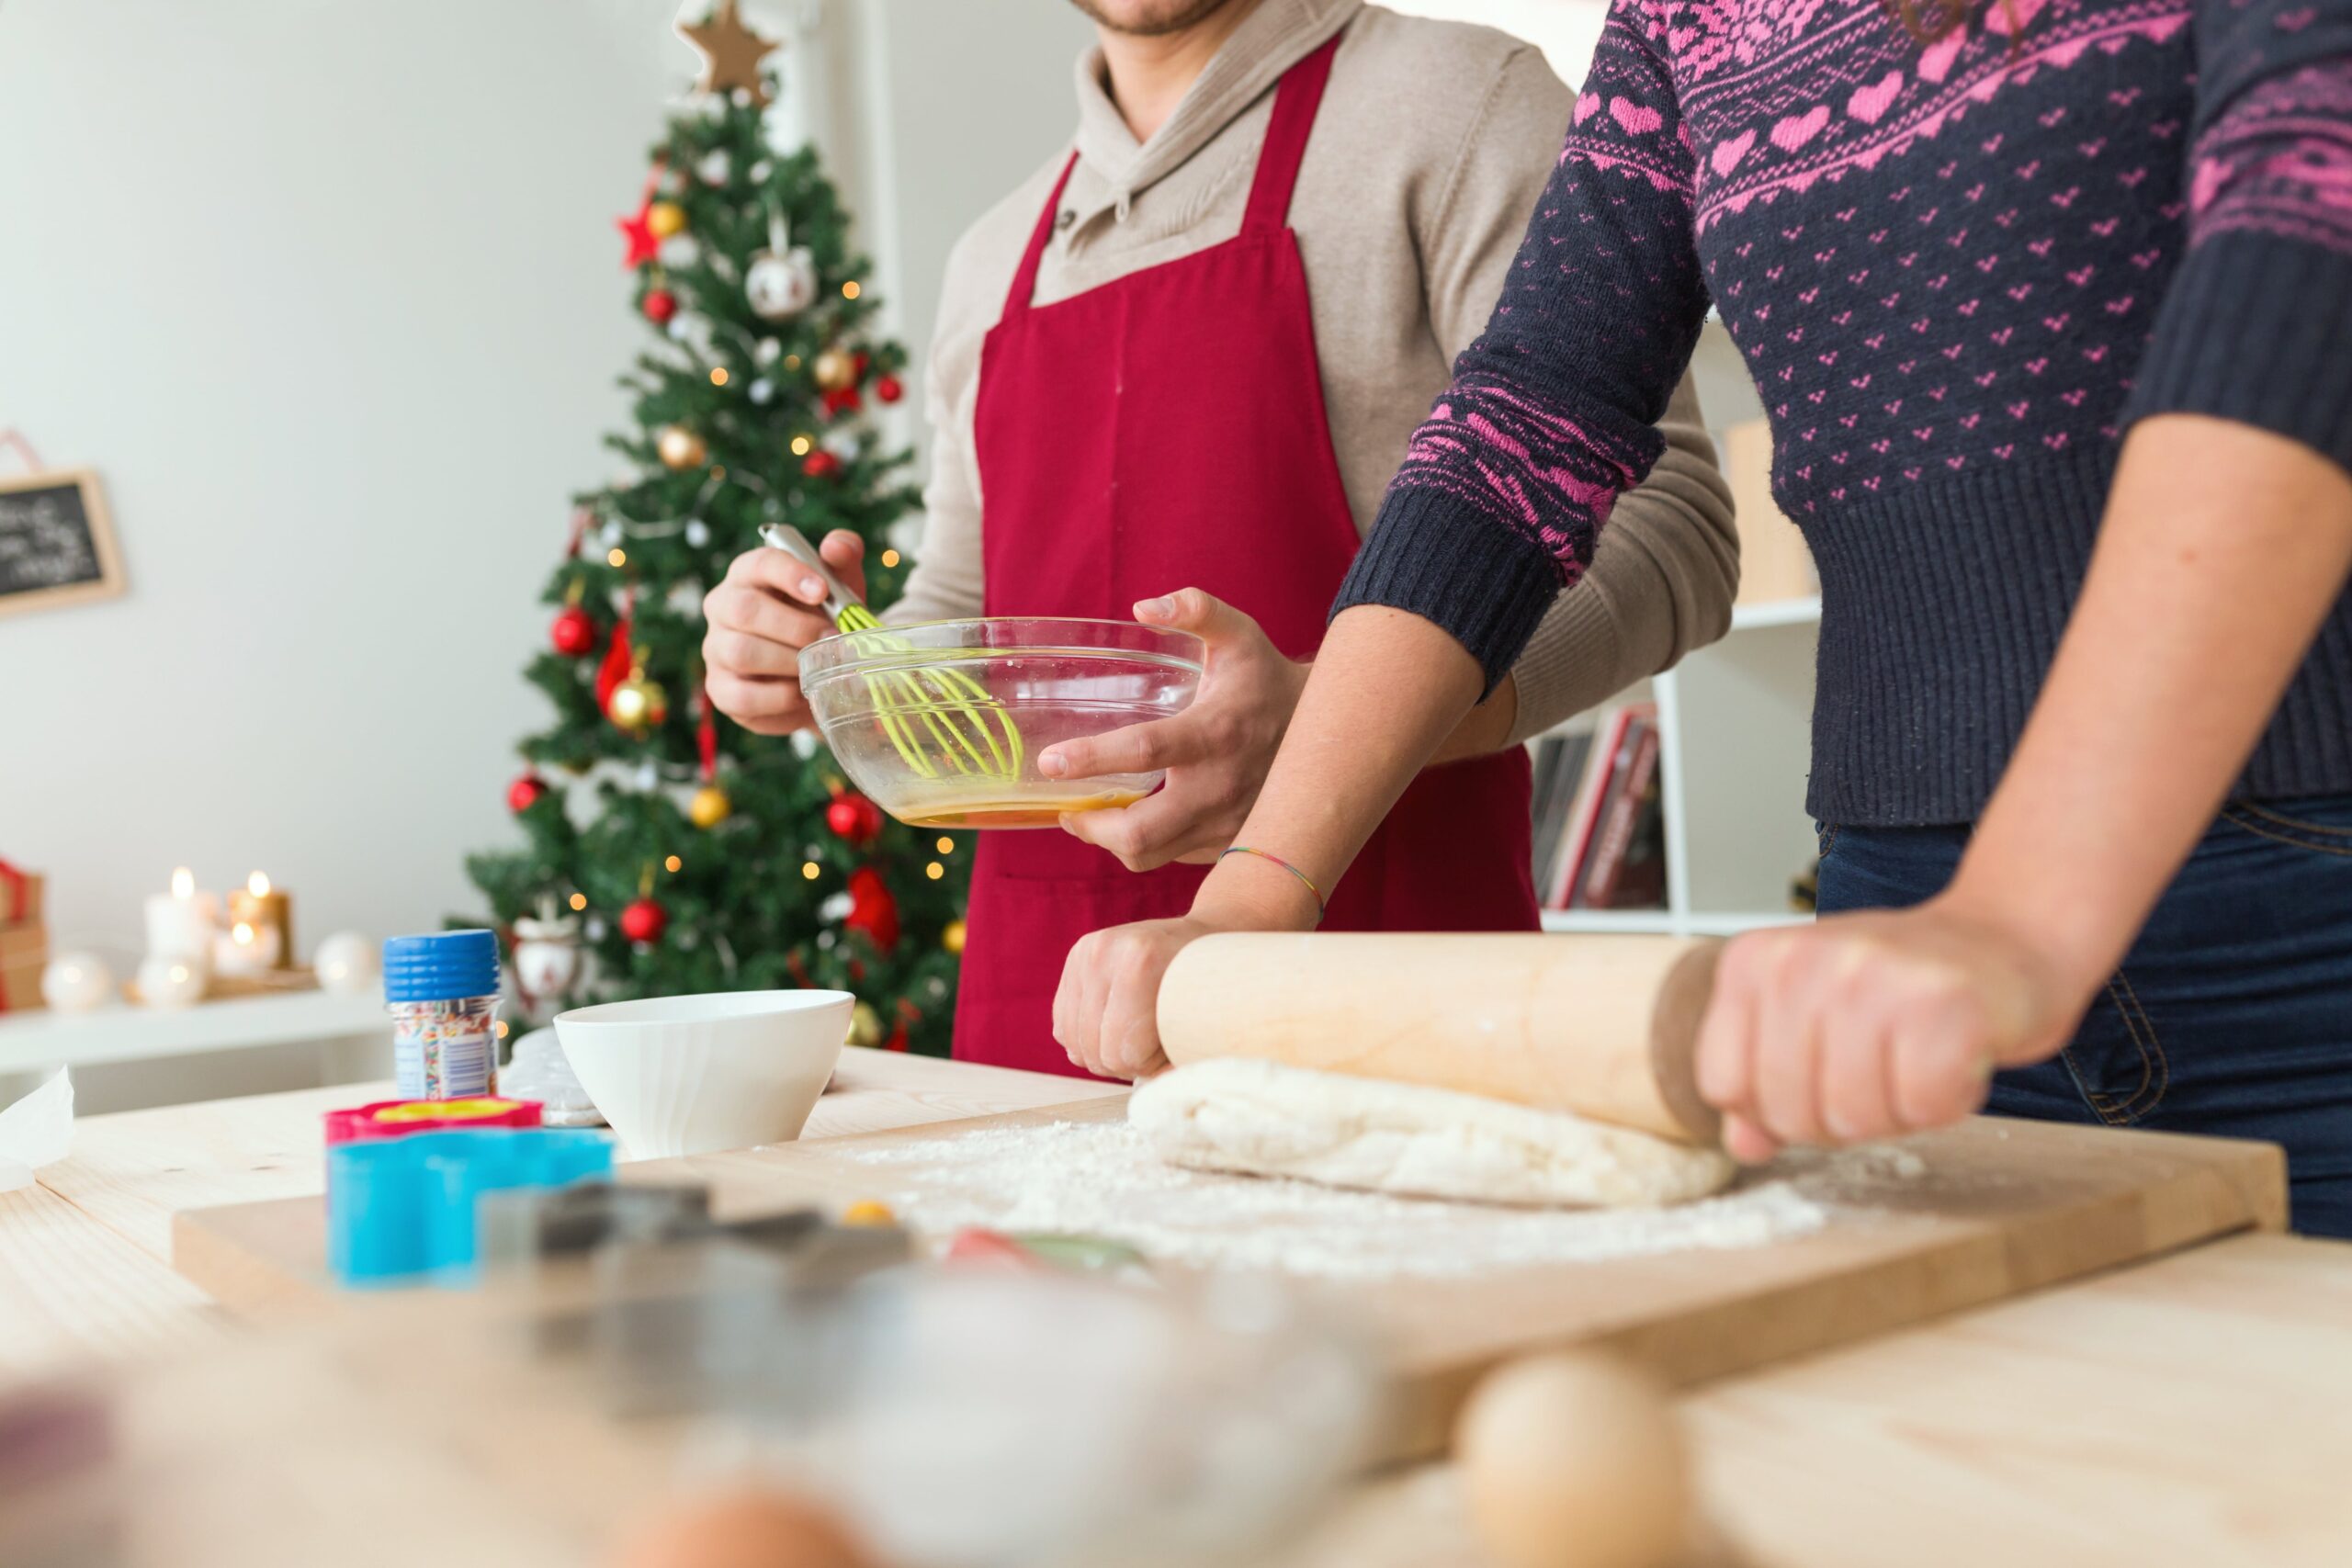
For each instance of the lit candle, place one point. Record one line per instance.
(180, 923)
(268, 915)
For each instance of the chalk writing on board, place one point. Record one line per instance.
(55, 547)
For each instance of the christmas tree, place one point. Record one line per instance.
(681, 852)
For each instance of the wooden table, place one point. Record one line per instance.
(85, 1254)
(2190, 1411)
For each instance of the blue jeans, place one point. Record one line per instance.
(2232, 1015)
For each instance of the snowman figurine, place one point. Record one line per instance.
(781, 282)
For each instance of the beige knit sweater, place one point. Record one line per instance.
(1432, 145)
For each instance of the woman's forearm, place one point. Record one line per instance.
(1389, 689)
(2222, 550)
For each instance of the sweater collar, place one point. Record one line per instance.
(1275, 37)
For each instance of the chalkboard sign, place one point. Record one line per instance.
(56, 546)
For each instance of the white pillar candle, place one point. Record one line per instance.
(180, 923)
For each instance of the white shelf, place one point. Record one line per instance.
(1662, 922)
(1736, 742)
(1803, 612)
(44, 1041)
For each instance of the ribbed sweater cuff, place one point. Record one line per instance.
(1475, 577)
(2256, 329)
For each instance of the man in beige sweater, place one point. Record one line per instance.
(1429, 142)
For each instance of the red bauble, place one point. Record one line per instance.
(644, 921)
(841, 401)
(871, 909)
(888, 389)
(820, 464)
(854, 819)
(574, 632)
(658, 306)
(526, 791)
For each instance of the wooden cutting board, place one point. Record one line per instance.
(1995, 1209)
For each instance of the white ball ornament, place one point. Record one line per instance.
(836, 907)
(762, 170)
(76, 982)
(166, 980)
(780, 281)
(680, 251)
(1573, 1462)
(697, 533)
(347, 964)
(711, 170)
(762, 389)
(803, 743)
(766, 351)
(842, 444)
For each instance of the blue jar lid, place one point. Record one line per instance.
(441, 968)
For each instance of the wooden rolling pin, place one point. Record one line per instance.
(1604, 1026)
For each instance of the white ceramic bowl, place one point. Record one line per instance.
(696, 1075)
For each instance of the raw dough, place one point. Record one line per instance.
(1268, 1120)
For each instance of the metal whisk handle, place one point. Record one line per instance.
(784, 536)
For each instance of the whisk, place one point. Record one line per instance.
(965, 727)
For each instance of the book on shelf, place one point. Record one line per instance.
(1628, 856)
(1559, 769)
(1584, 793)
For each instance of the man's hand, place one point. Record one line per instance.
(1216, 752)
(759, 619)
(1872, 1024)
(1106, 1012)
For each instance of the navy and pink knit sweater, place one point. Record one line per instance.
(1957, 272)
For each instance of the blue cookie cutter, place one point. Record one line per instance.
(402, 1210)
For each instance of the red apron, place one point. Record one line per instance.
(1166, 431)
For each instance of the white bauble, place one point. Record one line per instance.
(76, 982)
(842, 444)
(167, 981)
(648, 778)
(766, 351)
(780, 284)
(685, 598)
(594, 928)
(836, 907)
(547, 955)
(712, 168)
(348, 963)
(697, 533)
(762, 389)
(762, 170)
(803, 743)
(680, 251)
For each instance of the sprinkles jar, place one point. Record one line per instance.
(442, 991)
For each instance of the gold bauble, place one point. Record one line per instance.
(665, 219)
(680, 447)
(638, 704)
(835, 369)
(709, 807)
(864, 1026)
(951, 939)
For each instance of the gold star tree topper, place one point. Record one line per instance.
(730, 52)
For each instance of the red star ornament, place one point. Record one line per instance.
(637, 229)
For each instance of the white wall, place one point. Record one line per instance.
(330, 296)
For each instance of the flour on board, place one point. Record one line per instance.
(1101, 1179)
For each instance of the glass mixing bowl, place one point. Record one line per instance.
(942, 724)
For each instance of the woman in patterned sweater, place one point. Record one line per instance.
(2051, 304)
